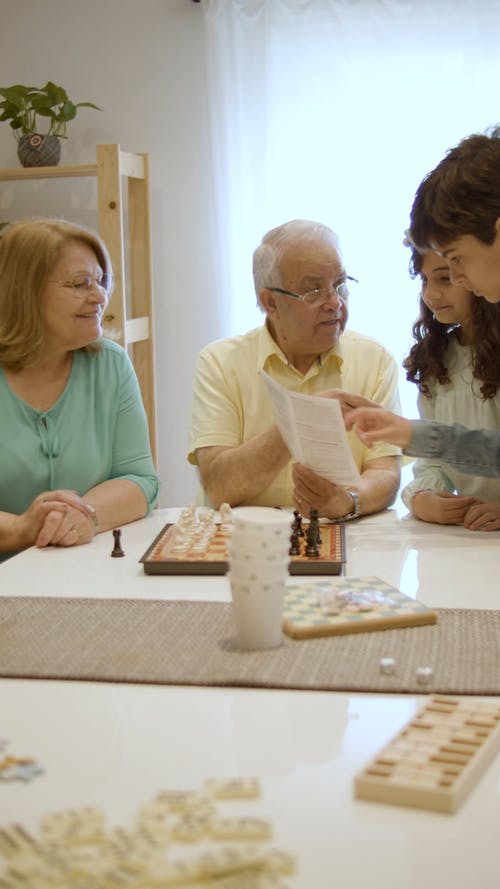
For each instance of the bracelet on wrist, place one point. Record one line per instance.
(92, 514)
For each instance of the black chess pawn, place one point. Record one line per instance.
(294, 543)
(297, 523)
(117, 551)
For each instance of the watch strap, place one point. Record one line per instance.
(356, 508)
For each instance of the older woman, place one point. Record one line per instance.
(74, 450)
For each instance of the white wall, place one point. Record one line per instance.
(142, 62)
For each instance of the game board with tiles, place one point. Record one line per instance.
(197, 544)
(437, 758)
(349, 605)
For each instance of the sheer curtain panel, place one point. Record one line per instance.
(334, 110)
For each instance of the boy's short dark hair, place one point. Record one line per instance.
(461, 196)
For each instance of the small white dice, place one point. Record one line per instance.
(424, 675)
(387, 665)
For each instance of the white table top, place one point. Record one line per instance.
(116, 745)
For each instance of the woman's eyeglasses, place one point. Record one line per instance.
(81, 285)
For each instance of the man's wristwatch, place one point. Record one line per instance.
(356, 508)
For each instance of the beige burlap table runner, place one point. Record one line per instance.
(193, 643)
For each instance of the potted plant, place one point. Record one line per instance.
(24, 105)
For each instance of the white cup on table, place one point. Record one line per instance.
(258, 570)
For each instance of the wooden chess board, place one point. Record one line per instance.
(160, 558)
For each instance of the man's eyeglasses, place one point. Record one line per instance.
(319, 294)
(81, 285)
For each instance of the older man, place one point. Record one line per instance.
(302, 287)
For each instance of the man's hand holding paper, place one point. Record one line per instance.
(314, 433)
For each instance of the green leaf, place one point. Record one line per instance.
(9, 109)
(56, 94)
(16, 94)
(88, 105)
(22, 105)
(45, 112)
(67, 112)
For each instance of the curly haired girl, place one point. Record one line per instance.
(455, 362)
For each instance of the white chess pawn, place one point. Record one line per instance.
(226, 516)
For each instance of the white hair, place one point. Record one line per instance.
(269, 254)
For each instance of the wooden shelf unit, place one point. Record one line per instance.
(135, 332)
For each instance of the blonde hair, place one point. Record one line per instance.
(29, 250)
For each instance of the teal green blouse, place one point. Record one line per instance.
(97, 430)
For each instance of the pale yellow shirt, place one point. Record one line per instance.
(231, 405)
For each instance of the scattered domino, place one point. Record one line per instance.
(229, 859)
(153, 823)
(252, 878)
(180, 800)
(190, 827)
(234, 788)
(83, 825)
(15, 841)
(437, 757)
(280, 862)
(240, 828)
(74, 848)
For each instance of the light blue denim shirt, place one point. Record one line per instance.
(475, 451)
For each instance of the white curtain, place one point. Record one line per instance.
(334, 110)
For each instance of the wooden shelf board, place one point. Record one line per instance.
(17, 173)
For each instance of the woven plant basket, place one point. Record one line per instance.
(39, 151)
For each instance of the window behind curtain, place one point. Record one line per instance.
(334, 110)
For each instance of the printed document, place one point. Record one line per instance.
(313, 431)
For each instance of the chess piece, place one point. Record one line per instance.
(314, 520)
(294, 543)
(117, 551)
(297, 523)
(226, 517)
(312, 549)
